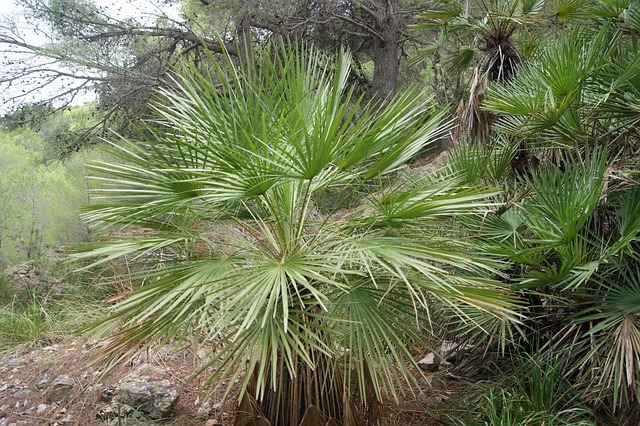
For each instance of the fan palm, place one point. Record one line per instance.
(573, 246)
(485, 37)
(571, 229)
(583, 87)
(312, 311)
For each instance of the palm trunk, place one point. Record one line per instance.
(315, 396)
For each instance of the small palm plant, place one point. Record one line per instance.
(571, 225)
(314, 312)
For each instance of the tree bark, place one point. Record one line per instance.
(385, 53)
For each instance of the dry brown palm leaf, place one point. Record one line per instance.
(473, 122)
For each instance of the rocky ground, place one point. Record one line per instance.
(54, 383)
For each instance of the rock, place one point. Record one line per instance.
(156, 399)
(22, 393)
(42, 383)
(67, 420)
(452, 351)
(41, 408)
(25, 277)
(433, 381)
(442, 357)
(27, 412)
(108, 394)
(113, 411)
(92, 391)
(61, 386)
(22, 277)
(146, 370)
(430, 401)
(204, 411)
(429, 363)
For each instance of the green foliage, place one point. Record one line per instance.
(42, 319)
(568, 223)
(481, 34)
(583, 85)
(536, 392)
(225, 194)
(561, 244)
(23, 323)
(53, 310)
(30, 116)
(39, 203)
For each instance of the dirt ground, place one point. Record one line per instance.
(26, 374)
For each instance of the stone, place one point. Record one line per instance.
(204, 411)
(156, 399)
(430, 401)
(60, 388)
(429, 363)
(108, 394)
(67, 420)
(41, 408)
(452, 351)
(22, 276)
(113, 411)
(22, 393)
(145, 370)
(27, 412)
(433, 381)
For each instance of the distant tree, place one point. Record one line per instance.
(84, 49)
(28, 115)
(39, 201)
(87, 48)
(376, 31)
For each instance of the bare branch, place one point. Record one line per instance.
(366, 28)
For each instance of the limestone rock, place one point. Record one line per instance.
(22, 393)
(429, 363)
(430, 400)
(113, 411)
(22, 276)
(204, 411)
(43, 382)
(60, 387)
(156, 399)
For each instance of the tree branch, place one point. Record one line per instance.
(366, 28)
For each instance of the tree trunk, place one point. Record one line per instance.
(243, 34)
(385, 53)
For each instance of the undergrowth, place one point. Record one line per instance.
(39, 315)
(529, 390)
